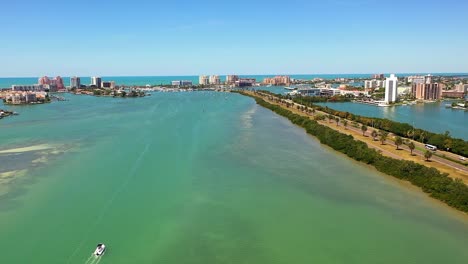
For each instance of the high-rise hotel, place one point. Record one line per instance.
(203, 80)
(96, 81)
(426, 90)
(75, 82)
(391, 89)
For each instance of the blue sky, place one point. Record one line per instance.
(219, 37)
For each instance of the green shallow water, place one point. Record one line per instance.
(202, 178)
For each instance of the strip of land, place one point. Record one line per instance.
(455, 170)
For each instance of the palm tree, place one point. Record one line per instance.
(422, 136)
(427, 155)
(330, 118)
(411, 146)
(448, 144)
(313, 111)
(374, 134)
(383, 137)
(398, 142)
(337, 120)
(364, 129)
(410, 134)
(345, 123)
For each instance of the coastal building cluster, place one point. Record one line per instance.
(380, 90)
(278, 80)
(231, 80)
(25, 97)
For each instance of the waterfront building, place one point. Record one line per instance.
(182, 83)
(309, 91)
(278, 80)
(243, 82)
(391, 90)
(415, 79)
(203, 80)
(32, 88)
(96, 81)
(75, 82)
(106, 85)
(24, 97)
(370, 84)
(426, 90)
(214, 79)
(453, 94)
(378, 76)
(231, 79)
(43, 80)
(52, 85)
(329, 92)
(461, 87)
(59, 83)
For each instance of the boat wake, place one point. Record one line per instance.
(93, 259)
(109, 203)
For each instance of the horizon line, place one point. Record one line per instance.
(256, 74)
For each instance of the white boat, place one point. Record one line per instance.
(383, 105)
(100, 249)
(269, 85)
(290, 88)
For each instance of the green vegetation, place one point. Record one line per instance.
(398, 142)
(383, 137)
(411, 146)
(427, 155)
(363, 129)
(374, 134)
(432, 181)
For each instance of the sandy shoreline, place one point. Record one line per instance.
(27, 149)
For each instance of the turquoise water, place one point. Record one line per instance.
(157, 80)
(433, 117)
(201, 177)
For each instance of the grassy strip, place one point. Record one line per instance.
(431, 181)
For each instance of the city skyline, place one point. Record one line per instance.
(266, 37)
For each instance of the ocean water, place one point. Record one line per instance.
(201, 177)
(158, 80)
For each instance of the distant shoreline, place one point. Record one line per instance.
(6, 82)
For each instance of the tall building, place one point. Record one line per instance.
(75, 82)
(462, 88)
(426, 90)
(378, 76)
(231, 79)
(214, 79)
(278, 80)
(181, 83)
(96, 81)
(391, 89)
(415, 79)
(59, 83)
(369, 84)
(33, 88)
(52, 84)
(44, 80)
(203, 80)
(246, 82)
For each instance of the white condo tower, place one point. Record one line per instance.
(391, 89)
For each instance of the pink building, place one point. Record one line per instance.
(53, 84)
